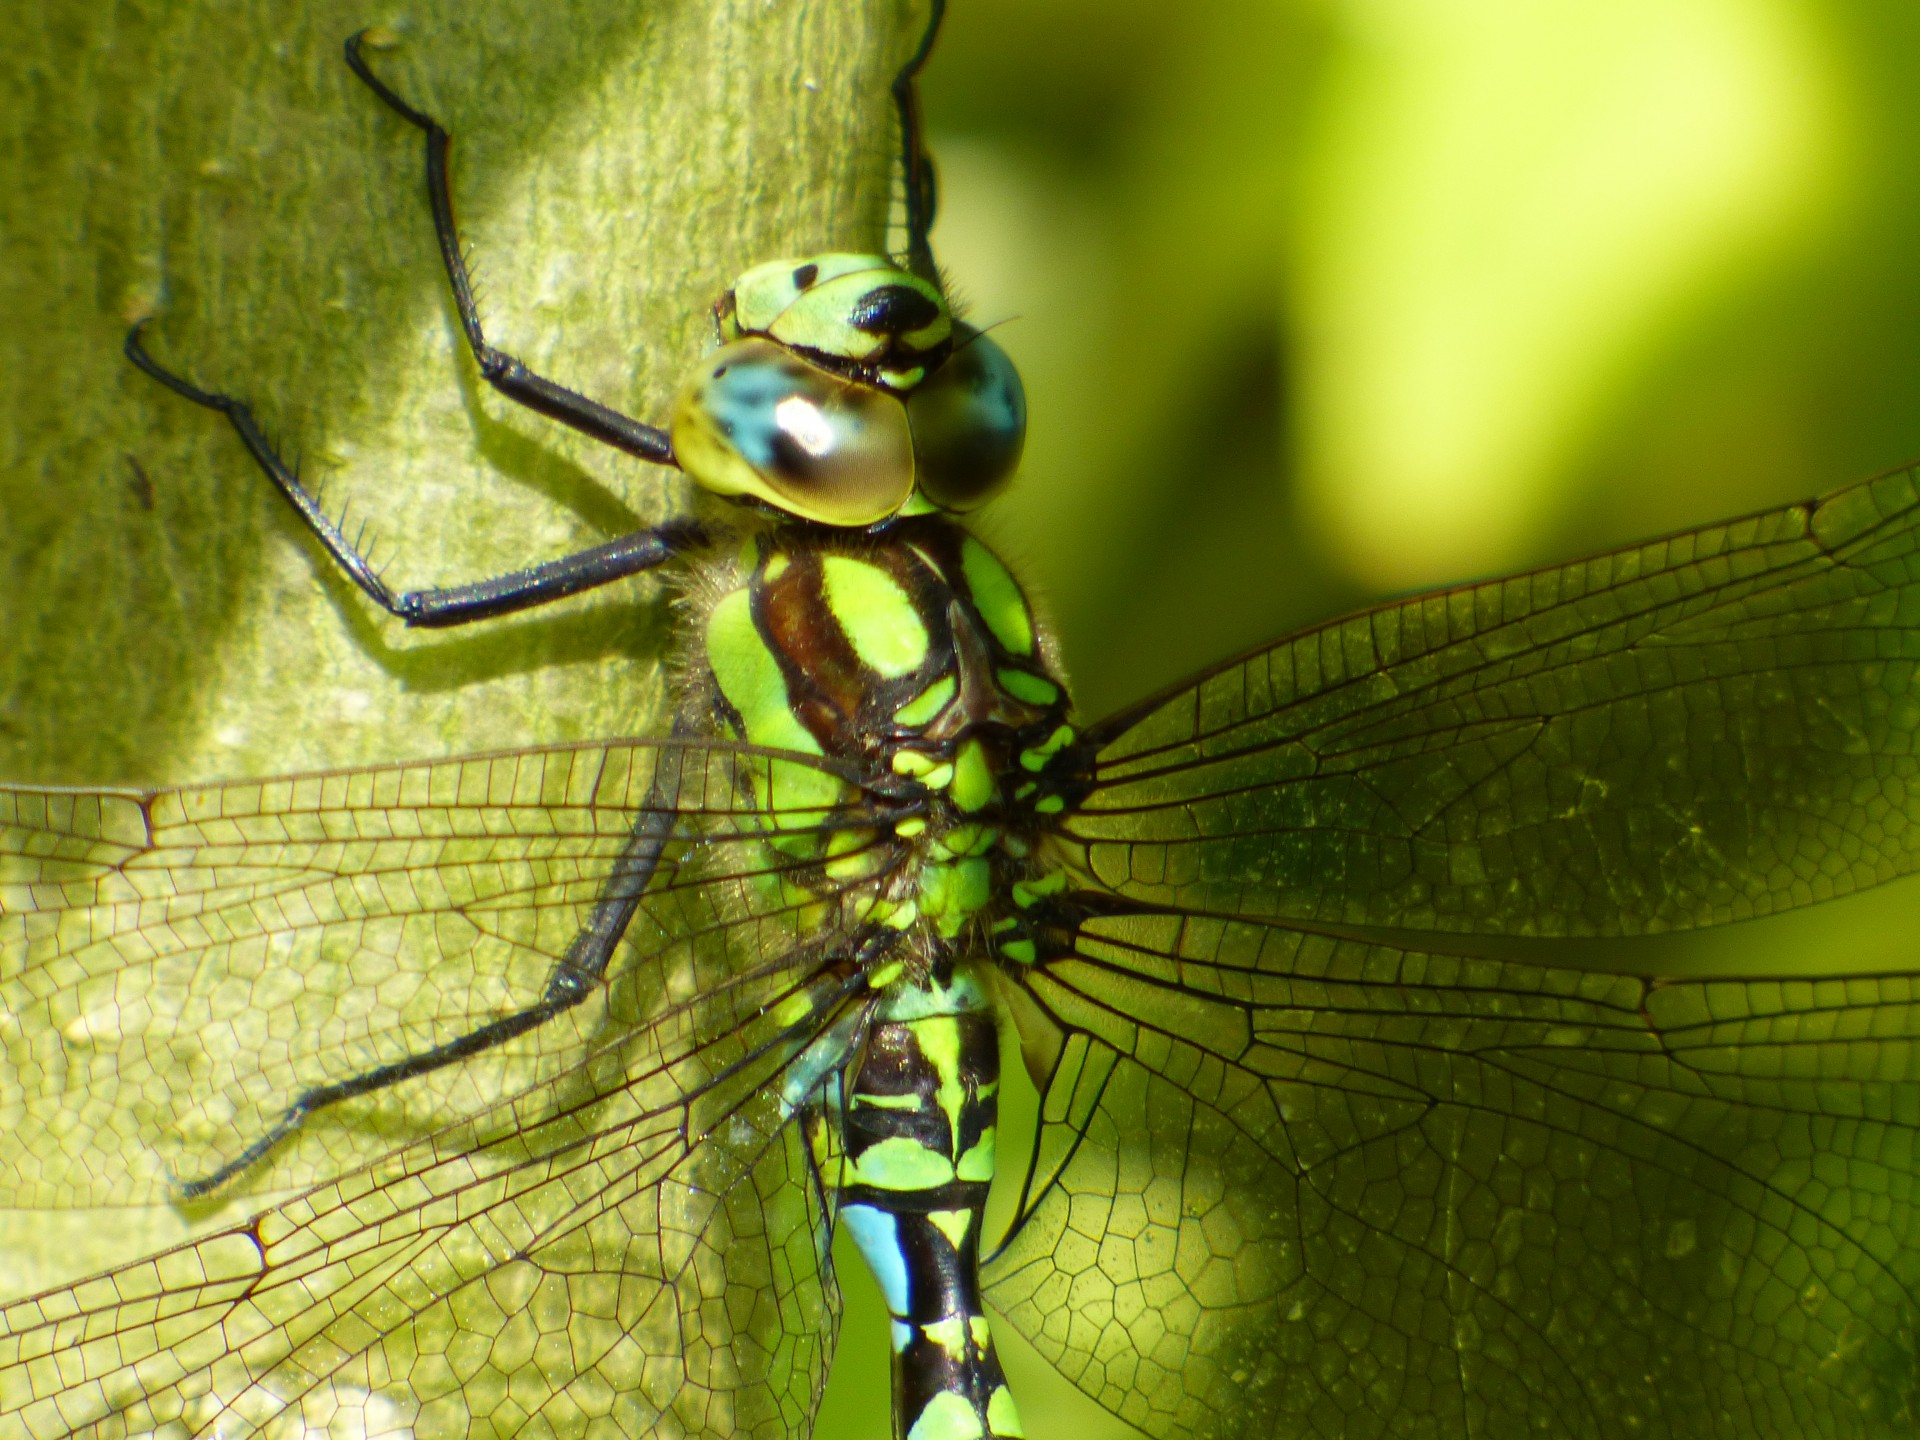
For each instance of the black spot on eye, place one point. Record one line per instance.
(805, 276)
(792, 463)
(719, 372)
(892, 310)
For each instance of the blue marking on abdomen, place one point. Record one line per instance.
(878, 1236)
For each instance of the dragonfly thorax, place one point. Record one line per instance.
(844, 392)
(862, 647)
(913, 656)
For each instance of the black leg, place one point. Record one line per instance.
(448, 605)
(576, 975)
(501, 370)
(916, 165)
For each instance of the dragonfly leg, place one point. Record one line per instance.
(503, 371)
(576, 975)
(437, 607)
(916, 165)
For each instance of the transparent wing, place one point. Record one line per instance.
(608, 1220)
(1293, 1165)
(1703, 728)
(1290, 1184)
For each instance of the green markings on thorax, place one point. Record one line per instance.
(997, 597)
(917, 635)
(921, 710)
(750, 678)
(876, 615)
(914, 651)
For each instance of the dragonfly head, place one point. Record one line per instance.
(844, 392)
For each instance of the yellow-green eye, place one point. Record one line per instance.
(969, 422)
(757, 420)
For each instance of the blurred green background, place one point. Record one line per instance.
(1324, 301)
(1316, 302)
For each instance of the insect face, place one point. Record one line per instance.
(844, 392)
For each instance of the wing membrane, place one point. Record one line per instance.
(1712, 726)
(611, 1217)
(1294, 1184)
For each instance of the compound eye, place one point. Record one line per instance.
(969, 422)
(757, 420)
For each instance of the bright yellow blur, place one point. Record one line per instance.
(1512, 209)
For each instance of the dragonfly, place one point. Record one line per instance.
(556, 1071)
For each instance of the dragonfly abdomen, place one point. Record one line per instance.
(912, 1149)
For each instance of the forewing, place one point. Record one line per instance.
(1712, 726)
(1295, 1185)
(611, 1217)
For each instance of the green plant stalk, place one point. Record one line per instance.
(164, 615)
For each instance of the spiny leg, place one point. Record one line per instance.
(439, 606)
(916, 165)
(503, 371)
(575, 976)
